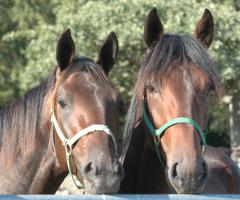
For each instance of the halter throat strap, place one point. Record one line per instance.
(68, 143)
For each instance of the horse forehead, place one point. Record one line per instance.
(81, 80)
(191, 76)
(199, 77)
(77, 79)
(84, 83)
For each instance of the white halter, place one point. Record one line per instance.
(68, 143)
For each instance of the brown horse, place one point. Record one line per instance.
(69, 115)
(164, 139)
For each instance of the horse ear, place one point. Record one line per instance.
(205, 28)
(153, 29)
(108, 52)
(65, 50)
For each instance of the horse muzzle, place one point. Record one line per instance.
(98, 181)
(187, 180)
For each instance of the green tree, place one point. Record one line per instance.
(17, 19)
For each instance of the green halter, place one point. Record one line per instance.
(159, 132)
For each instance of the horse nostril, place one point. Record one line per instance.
(174, 170)
(90, 169)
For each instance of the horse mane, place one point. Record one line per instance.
(20, 121)
(165, 55)
(130, 122)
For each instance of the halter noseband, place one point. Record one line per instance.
(68, 143)
(159, 132)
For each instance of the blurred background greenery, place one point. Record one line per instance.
(29, 31)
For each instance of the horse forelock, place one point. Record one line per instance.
(173, 51)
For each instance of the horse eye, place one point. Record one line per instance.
(150, 88)
(61, 102)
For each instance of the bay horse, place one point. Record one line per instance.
(65, 124)
(164, 144)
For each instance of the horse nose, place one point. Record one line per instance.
(188, 179)
(102, 178)
(89, 169)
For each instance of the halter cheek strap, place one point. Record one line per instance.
(68, 143)
(159, 132)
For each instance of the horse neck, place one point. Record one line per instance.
(27, 160)
(143, 171)
(49, 166)
(151, 177)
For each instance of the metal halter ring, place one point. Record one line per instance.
(68, 148)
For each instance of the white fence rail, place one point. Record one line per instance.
(119, 197)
